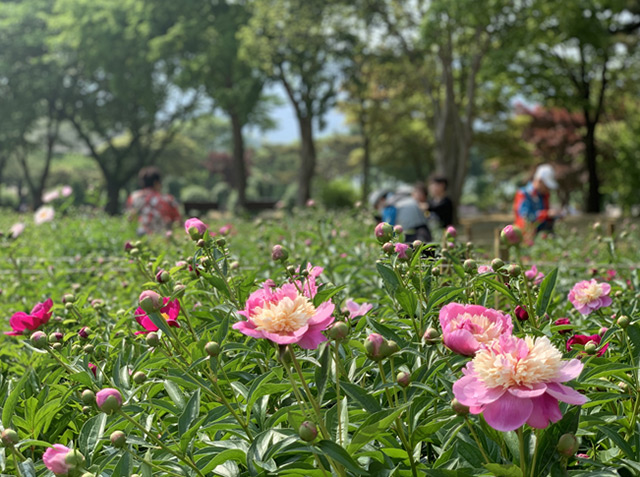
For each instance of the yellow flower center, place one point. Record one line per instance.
(590, 293)
(285, 316)
(165, 316)
(541, 365)
(483, 329)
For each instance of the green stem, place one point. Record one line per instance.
(188, 319)
(477, 439)
(535, 455)
(160, 444)
(15, 461)
(226, 403)
(336, 359)
(155, 466)
(523, 460)
(312, 400)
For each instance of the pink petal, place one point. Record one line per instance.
(461, 342)
(470, 391)
(323, 314)
(352, 306)
(247, 328)
(312, 339)
(570, 370)
(536, 390)
(566, 394)
(507, 413)
(545, 409)
(282, 339)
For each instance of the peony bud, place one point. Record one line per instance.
(397, 229)
(416, 244)
(39, 340)
(68, 298)
(109, 400)
(139, 377)
(162, 276)
(496, 264)
(459, 408)
(339, 331)
(279, 253)
(403, 379)
(622, 322)
(74, 459)
(88, 396)
(511, 235)
(89, 348)
(153, 339)
(470, 266)
(391, 348)
(9, 438)
(521, 313)
(84, 332)
(514, 270)
(388, 248)
(118, 439)
(212, 348)
(404, 251)
(451, 232)
(56, 337)
(195, 228)
(373, 346)
(591, 348)
(567, 445)
(431, 336)
(383, 232)
(150, 301)
(308, 431)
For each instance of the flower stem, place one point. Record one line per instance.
(535, 455)
(312, 400)
(477, 439)
(523, 460)
(336, 356)
(15, 461)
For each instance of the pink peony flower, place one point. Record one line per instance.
(66, 191)
(356, 310)
(516, 381)
(16, 230)
(469, 328)
(195, 228)
(22, 322)
(308, 285)
(169, 311)
(583, 340)
(225, 229)
(451, 231)
(286, 316)
(43, 214)
(401, 250)
(50, 196)
(534, 275)
(55, 459)
(109, 400)
(484, 269)
(589, 295)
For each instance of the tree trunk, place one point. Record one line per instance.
(366, 156)
(113, 195)
(308, 160)
(593, 199)
(239, 166)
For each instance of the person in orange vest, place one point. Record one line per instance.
(531, 202)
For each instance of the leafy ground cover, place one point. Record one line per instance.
(340, 351)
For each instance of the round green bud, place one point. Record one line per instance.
(139, 377)
(339, 331)
(567, 445)
(212, 348)
(74, 459)
(403, 379)
(308, 431)
(623, 321)
(9, 438)
(89, 348)
(39, 340)
(153, 339)
(118, 439)
(591, 348)
(88, 396)
(459, 408)
(514, 270)
(496, 264)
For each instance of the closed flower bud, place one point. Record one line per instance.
(86, 409)
(435, 271)
(391, 348)
(153, 339)
(521, 313)
(84, 332)
(459, 408)
(403, 379)
(221, 242)
(623, 321)
(74, 459)
(162, 276)
(514, 270)
(511, 235)
(234, 265)
(88, 348)
(39, 340)
(470, 266)
(431, 336)
(118, 439)
(9, 438)
(591, 348)
(373, 346)
(88, 396)
(68, 306)
(496, 264)
(279, 253)
(178, 290)
(388, 248)
(451, 232)
(150, 301)
(68, 298)
(416, 244)
(201, 243)
(397, 229)
(212, 348)
(135, 251)
(291, 270)
(139, 377)
(308, 431)
(567, 445)
(109, 400)
(383, 232)
(339, 331)
(56, 346)
(195, 228)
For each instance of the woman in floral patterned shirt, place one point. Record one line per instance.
(155, 211)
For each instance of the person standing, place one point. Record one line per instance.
(408, 214)
(531, 202)
(154, 211)
(439, 202)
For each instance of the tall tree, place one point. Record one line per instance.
(120, 87)
(573, 58)
(290, 40)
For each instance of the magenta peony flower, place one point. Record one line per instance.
(195, 228)
(583, 340)
(356, 310)
(169, 311)
(589, 295)
(469, 328)
(521, 313)
(516, 381)
(534, 275)
(560, 322)
(22, 322)
(55, 459)
(401, 250)
(286, 316)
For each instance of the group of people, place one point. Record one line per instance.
(415, 209)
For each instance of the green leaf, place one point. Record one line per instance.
(175, 394)
(442, 295)
(326, 293)
(407, 300)
(337, 453)
(90, 434)
(546, 291)
(373, 426)
(223, 330)
(27, 468)
(9, 406)
(366, 400)
(549, 440)
(124, 467)
(322, 371)
(190, 412)
(158, 320)
(389, 278)
(504, 470)
(206, 465)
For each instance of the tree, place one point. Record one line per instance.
(119, 84)
(576, 51)
(290, 41)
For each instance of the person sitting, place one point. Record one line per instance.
(440, 204)
(154, 211)
(404, 209)
(531, 202)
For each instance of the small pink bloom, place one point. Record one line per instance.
(22, 323)
(50, 196)
(169, 311)
(195, 228)
(94, 369)
(43, 214)
(583, 456)
(109, 399)
(516, 381)
(451, 231)
(534, 275)
(285, 316)
(54, 459)
(583, 340)
(225, 229)
(401, 250)
(66, 191)
(356, 310)
(311, 203)
(484, 269)
(343, 255)
(589, 295)
(469, 328)
(16, 230)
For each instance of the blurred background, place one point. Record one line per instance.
(245, 105)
